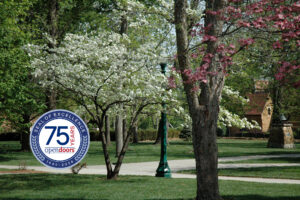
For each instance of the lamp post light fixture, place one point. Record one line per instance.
(163, 169)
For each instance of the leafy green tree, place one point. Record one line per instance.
(20, 97)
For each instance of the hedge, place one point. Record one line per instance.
(11, 136)
(148, 134)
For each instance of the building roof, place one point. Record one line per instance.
(257, 102)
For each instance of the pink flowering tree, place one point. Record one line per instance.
(203, 66)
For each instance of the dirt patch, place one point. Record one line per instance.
(21, 172)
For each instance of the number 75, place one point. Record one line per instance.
(59, 133)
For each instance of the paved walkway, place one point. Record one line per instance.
(149, 168)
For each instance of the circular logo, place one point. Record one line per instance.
(59, 139)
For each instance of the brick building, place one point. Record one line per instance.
(260, 109)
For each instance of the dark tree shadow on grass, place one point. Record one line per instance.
(39, 182)
(75, 198)
(242, 197)
(257, 197)
(4, 159)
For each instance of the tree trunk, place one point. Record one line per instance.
(203, 109)
(53, 6)
(124, 25)
(118, 127)
(123, 150)
(206, 152)
(159, 130)
(100, 124)
(135, 133)
(24, 140)
(119, 135)
(109, 174)
(126, 143)
(107, 130)
(51, 96)
(53, 21)
(25, 134)
(114, 124)
(156, 123)
(124, 130)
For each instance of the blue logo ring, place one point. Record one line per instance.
(36, 134)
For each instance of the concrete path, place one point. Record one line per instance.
(149, 168)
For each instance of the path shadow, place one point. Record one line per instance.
(257, 197)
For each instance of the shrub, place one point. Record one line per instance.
(296, 132)
(147, 134)
(150, 134)
(10, 136)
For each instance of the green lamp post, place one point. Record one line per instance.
(163, 169)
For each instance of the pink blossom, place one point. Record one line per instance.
(232, 46)
(207, 58)
(246, 42)
(210, 12)
(277, 45)
(294, 67)
(286, 64)
(279, 76)
(204, 81)
(221, 48)
(243, 23)
(187, 72)
(195, 89)
(171, 81)
(297, 84)
(205, 66)
(280, 16)
(194, 55)
(296, 5)
(209, 38)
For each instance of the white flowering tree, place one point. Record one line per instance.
(101, 70)
(230, 119)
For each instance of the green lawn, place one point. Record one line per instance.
(262, 172)
(242, 147)
(69, 187)
(146, 151)
(267, 160)
(4, 169)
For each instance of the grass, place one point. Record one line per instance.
(264, 172)
(242, 147)
(79, 187)
(261, 172)
(267, 160)
(142, 152)
(146, 151)
(4, 169)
